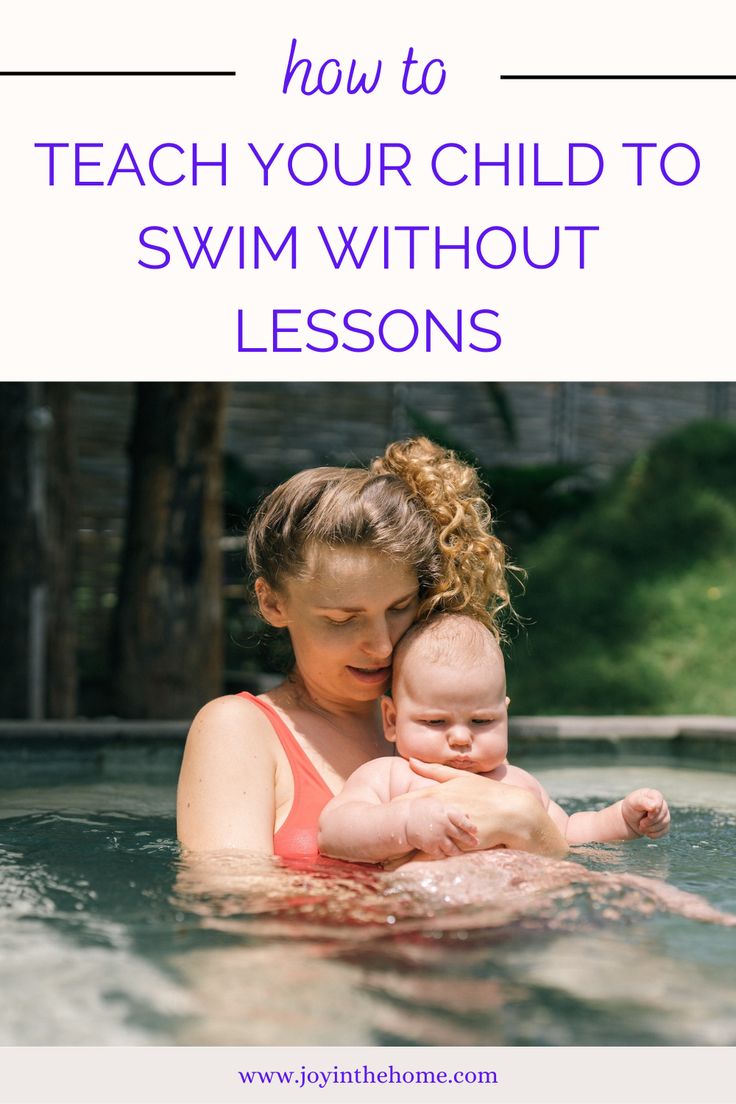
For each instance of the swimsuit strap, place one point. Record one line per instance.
(296, 839)
(300, 763)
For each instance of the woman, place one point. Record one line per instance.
(346, 561)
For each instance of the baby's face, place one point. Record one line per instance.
(450, 715)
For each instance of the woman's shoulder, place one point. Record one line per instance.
(225, 797)
(230, 716)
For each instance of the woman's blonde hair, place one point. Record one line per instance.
(418, 504)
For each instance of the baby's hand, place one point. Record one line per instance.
(646, 813)
(439, 829)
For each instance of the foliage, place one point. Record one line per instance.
(631, 607)
(525, 500)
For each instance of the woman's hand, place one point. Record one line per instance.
(504, 815)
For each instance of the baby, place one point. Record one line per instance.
(449, 706)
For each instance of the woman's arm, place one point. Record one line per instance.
(225, 798)
(504, 815)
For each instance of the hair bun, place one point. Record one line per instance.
(443, 483)
(474, 561)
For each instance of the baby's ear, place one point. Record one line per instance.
(508, 702)
(388, 714)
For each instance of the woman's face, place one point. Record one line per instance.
(344, 617)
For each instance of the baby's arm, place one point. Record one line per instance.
(369, 822)
(642, 813)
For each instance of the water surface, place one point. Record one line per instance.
(106, 937)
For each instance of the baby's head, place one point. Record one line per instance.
(448, 699)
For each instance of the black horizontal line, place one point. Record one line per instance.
(116, 73)
(618, 76)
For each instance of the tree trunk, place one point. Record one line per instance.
(17, 551)
(167, 639)
(38, 520)
(62, 525)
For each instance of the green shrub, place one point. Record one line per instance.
(631, 607)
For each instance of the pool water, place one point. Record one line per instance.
(107, 937)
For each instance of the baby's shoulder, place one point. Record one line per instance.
(371, 779)
(387, 777)
(516, 776)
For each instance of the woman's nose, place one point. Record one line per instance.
(378, 643)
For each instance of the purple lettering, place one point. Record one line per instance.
(202, 249)
(435, 158)
(423, 85)
(221, 164)
(571, 157)
(412, 231)
(360, 85)
(639, 146)
(581, 231)
(347, 246)
(322, 158)
(382, 331)
(79, 165)
(118, 167)
(245, 348)
(51, 147)
(464, 246)
(538, 182)
(152, 160)
(481, 241)
(265, 165)
(291, 68)
(322, 330)
(357, 330)
(322, 84)
(259, 238)
(535, 264)
(142, 238)
(387, 168)
(475, 325)
(696, 164)
(277, 330)
(505, 164)
(456, 342)
(366, 170)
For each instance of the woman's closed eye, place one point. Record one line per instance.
(404, 606)
(401, 607)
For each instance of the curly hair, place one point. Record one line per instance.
(472, 576)
(418, 504)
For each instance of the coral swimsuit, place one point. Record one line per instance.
(297, 836)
